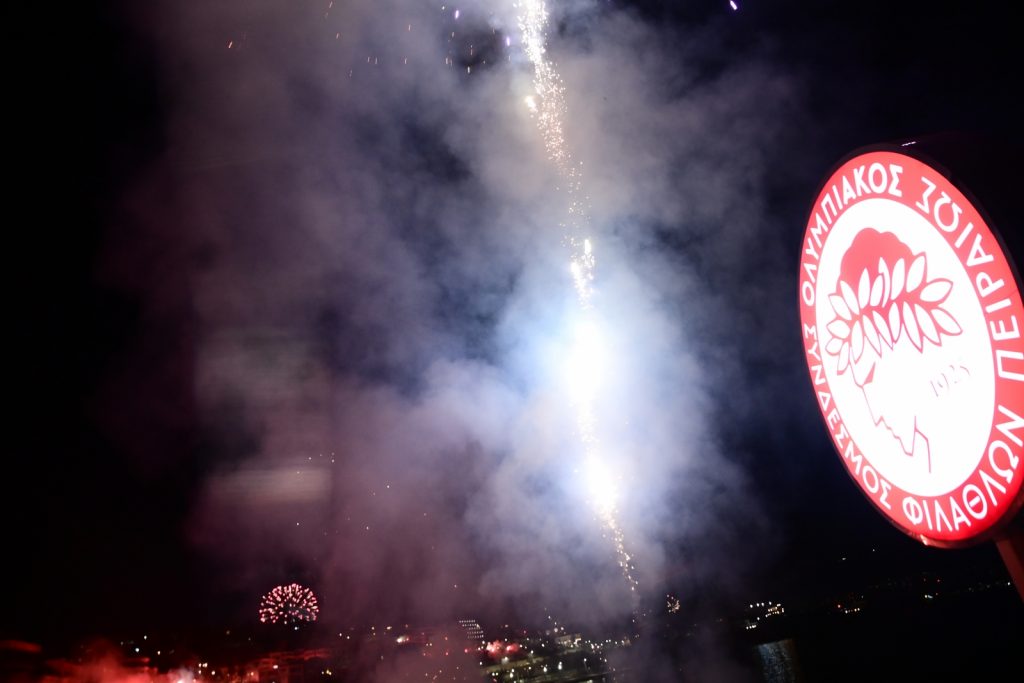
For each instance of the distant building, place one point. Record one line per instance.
(761, 614)
(296, 666)
(474, 633)
(569, 642)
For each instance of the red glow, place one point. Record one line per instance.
(499, 648)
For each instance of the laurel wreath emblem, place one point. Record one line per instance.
(895, 303)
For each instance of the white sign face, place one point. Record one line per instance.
(911, 319)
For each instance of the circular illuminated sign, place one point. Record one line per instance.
(912, 326)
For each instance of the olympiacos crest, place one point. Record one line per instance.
(911, 319)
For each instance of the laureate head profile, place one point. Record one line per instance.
(888, 327)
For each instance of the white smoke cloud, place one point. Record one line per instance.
(383, 303)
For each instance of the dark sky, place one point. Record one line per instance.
(288, 301)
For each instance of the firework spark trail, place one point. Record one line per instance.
(549, 109)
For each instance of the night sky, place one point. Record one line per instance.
(289, 291)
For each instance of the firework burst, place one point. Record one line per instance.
(289, 604)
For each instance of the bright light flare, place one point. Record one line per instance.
(585, 367)
(602, 487)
